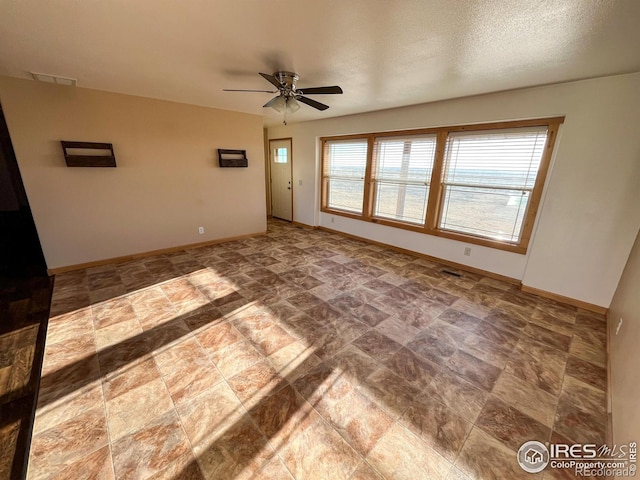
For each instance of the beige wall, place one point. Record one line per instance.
(624, 353)
(167, 182)
(590, 211)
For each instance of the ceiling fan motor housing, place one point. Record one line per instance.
(287, 81)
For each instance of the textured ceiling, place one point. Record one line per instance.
(383, 53)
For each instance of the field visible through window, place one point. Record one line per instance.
(490, 213)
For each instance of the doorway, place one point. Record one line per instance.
(280, 168)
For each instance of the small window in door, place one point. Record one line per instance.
(280, 155)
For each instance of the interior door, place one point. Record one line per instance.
(281, 187)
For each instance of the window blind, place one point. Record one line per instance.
(402, 175)
(344, 170)
(487, 180)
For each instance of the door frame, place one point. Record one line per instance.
(270, 183)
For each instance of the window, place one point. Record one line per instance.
(487, 181)
(345, 164)
(476, 183)
(402, 175)
(280, 155)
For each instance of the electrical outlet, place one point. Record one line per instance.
(333, 219)
(619, 326)
(467, 251)
(201, 230)
(300, 182)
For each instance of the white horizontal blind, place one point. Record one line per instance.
(487, 180)
(402, 176)
(345, 162)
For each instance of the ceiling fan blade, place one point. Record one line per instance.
(271, 102)
(319, 90)
(271, 79)
(234, 90)
(312, 103)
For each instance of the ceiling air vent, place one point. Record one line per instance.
(45, 77)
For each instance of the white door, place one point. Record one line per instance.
(281, 193)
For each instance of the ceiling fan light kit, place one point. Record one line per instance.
(283, 104)
(289, 97)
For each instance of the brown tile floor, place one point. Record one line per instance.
(308, 355)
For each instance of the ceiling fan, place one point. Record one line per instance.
(289, 95)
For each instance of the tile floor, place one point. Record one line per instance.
(304, 354)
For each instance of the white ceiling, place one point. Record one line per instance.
(382, 53)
